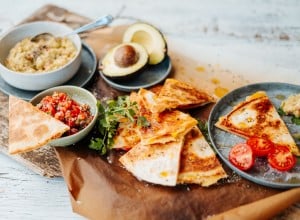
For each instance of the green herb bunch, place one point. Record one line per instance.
(111, 113)
(295, 120)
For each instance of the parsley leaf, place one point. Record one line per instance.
(111, 113)
(296, 120)
(281, 112)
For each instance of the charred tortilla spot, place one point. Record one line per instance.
(264, 106)
(40, 130)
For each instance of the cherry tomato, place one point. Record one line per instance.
(260, 146)
(241, 156)
(281, 158)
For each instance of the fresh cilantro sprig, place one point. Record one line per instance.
(281, 112)
(111, 113)
(295, 120)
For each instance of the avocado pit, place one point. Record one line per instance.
(124, 60)
(126, 56)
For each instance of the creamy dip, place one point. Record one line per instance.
(41, 56)
(291, 105)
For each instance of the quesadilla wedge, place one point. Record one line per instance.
(257, 117)
(175, 94)
(127, 136)
(165, 126)
(30, 128)
(155, 163)
(198, 163)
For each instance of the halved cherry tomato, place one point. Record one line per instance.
(281, 158)
(241, 156)
(260, 146)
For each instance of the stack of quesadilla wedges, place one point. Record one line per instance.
(172, 150)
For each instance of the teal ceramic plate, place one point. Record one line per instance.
(222, 141)
(150, 76)
(81, 78)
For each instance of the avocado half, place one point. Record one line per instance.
(150, 37)
(124, 60)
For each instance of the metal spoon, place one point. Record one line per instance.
(101, 22)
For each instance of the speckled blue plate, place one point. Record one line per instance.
(222, 141)
(81, 78)
(150, 76)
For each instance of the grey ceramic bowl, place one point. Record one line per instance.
(43, 80)
(80, 95)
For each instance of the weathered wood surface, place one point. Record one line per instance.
(264, 35)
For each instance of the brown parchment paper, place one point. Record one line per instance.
(101, 189)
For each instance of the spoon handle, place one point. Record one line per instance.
(101, 22)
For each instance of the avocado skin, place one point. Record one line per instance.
(125, 78)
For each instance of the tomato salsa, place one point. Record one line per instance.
(62, 107)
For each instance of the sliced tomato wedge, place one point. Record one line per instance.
(260, 146)
(241, 156)
(281, 158)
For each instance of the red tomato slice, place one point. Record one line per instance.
(260, 146)
(281, 158)
(241, 156)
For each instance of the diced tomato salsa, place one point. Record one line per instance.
(67, 110)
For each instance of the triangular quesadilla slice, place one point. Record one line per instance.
(165, 126)
(30, 128)
(175, 94)
(155, 163)
(257, 117)
(198, 163)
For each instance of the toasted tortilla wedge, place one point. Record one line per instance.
(127, 136)
(165, 126)
(198, 163)
(179, 95)
(30, 128)
(155, 163)
(257, 117)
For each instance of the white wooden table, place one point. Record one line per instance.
(257, 40)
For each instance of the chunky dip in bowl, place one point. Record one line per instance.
(40, 64)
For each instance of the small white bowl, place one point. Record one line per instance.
(43, 80)
(80, 95)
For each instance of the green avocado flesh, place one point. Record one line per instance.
(150, 37)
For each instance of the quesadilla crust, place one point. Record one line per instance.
(127, 136)
(257, 117)
(156, 163)
(173, 124)
(176, 94)
(30, 128)
(165, 126)
(193, 162)
(199, 164)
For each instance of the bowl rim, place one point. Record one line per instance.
(76, 42)
(95, 116)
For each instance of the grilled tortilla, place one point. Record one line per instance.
(155, 163)
(127, 136)
(198, 163)
(30, 128)
(165, 126)
(175, 94)
(257, 117)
